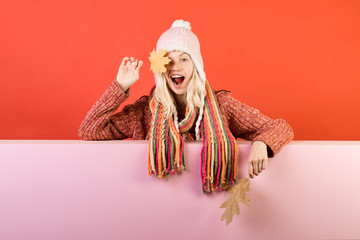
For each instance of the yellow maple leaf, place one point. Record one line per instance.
(158, 61)
(238, 194)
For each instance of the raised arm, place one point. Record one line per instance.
(100, 123)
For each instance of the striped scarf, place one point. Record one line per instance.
(218, 154)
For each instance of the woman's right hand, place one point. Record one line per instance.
(128, 72)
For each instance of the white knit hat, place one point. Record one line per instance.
(180, 38)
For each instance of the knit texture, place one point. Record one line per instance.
(243, 121)
(180, 38)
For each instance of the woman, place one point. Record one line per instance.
(183, 106)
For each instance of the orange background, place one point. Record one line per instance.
(293, 60)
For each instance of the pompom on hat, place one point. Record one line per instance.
(180, 38)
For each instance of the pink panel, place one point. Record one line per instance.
(75, 190)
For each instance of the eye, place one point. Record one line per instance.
(184, 59)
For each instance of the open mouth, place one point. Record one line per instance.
(177, 79)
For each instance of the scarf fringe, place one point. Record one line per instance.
(219, 152)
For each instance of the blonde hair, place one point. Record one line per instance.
(195, 96)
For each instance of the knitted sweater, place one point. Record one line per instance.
(134, 120)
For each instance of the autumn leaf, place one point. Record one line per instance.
(238, 194)
(158, 61)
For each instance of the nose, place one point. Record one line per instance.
(175, 67)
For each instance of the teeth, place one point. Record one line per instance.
(175, 76)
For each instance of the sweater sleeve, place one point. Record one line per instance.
(100, 123)
(250, 124)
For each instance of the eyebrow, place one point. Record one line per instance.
(182, 54)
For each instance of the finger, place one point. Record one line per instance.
(255, 166)
(132, 59)
(139, 65)
(250, 170)
(265, 163)
(134, 64)
(124, 60)
(260, 166)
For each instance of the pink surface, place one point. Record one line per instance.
(71, 190)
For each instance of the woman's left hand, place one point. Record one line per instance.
(257, 158)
